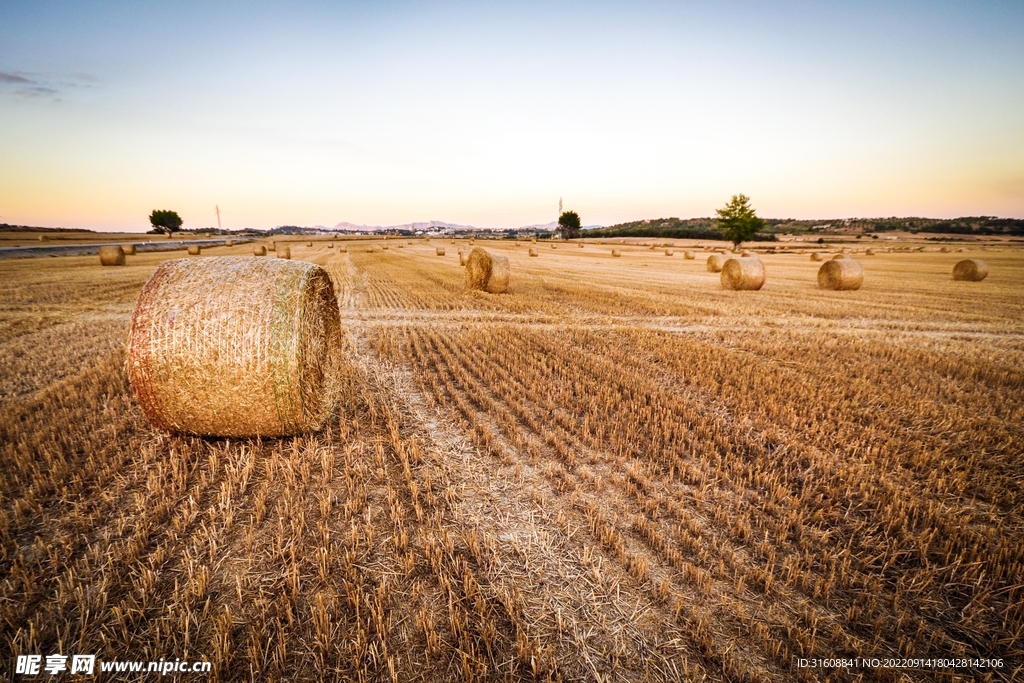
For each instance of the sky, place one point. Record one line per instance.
(381, 113)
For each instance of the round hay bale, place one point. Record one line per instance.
(385, 247)
(343, 249)
(715, 263)
(259, 250)
(194, 250)
(462, 258)
(284, 252)
(111, 256)
(668, 252)
(229, 243)
(439, 251)
(330, 245)
(44, 238)
(816, 256)
(487, 272)
(869, 252)
(840, 257)
(128, 249)
(616, 253)
(688, 255)
(944, 250)
(745, 254)
(533, 252)
(309, 244)
(533, 240)
(553, 246)
(841, 274)
(272, 246)
(970, 270)
(743, 273)
(580, 245)
(230, 346)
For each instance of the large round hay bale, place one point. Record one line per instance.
(743, 273)
(616, 253)
(111, 256)
(230, 346)
(128, 249)
(688, 255)
(970, 270)
(487, 272)
(194, 250)
(284, 252)
(259, 250)
(841, 274)
(439, 251)
(533, 252)
(715, 263)
(816, 256)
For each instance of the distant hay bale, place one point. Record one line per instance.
(533, 240)
(487, 272)
(309, 244)
(229, 243)
(668, 252)
(330, 245)
(743, 273)
(284, 252)
(128, 249)
(616, 253)
(234, 346)
(840, 257)
(688, 255)
(439, 251)
(746, 254)
(194, 250)
(841, 274)
(553, 246)
(533, 252)
(259, 250)
(944, 250)
(272, 246)
(816, 256)
(385, 247)
(715, 263)
(111, 256)
(44, 238)
(462, 258)
(343, 249)
(580, 245)
(869, 252)
(970, 270)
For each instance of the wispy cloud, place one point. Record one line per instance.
(31, 85)
(12, 78)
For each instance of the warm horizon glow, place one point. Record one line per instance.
(485, 114)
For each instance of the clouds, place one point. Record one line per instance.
(43, 86)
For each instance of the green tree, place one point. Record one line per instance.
(737, 220)
(569, 225)
(164, 221)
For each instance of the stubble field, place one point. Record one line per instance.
(616, 471)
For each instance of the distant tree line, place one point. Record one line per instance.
(674, 228)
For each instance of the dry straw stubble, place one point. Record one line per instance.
(487, 272)
(111, 256)
(743, 273)
(970, 270)
(841, 274)
(233, 346)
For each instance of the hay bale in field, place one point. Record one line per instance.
(234, 346)
(284, 252)
(272, 246)
(385, 247)
(194, 250)
(553, 246)
(44, 238)
(869, 252)
(580, 245)
(439, 251)
(816, 256)
(111, 256)
(309, 244)
(533, 240)
(259, 250)
(330, 245)
(841, 274)
(343, 249)
(944, 250)
(487, 272)
(715, 263)
(128, 249)
(688, 255)
(229, 243)
(462, 258)
(840, 257)
(746, 254)
(970, 270)
(668, 252)
(616, 253)
(743, 273)
(533, 252)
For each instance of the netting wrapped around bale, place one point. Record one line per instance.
(841, 274)
(128, 249)
(284, 252)
(743, 273)
(234, 346)
(194, 250)
(971, 270)
(111, 256)
(259, 250)
(487, 272)
(715, 263)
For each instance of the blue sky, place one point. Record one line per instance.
(486, 113)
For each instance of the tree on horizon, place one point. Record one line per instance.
(737, 220)
(569, 225)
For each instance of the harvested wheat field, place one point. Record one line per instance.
(617, 470)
